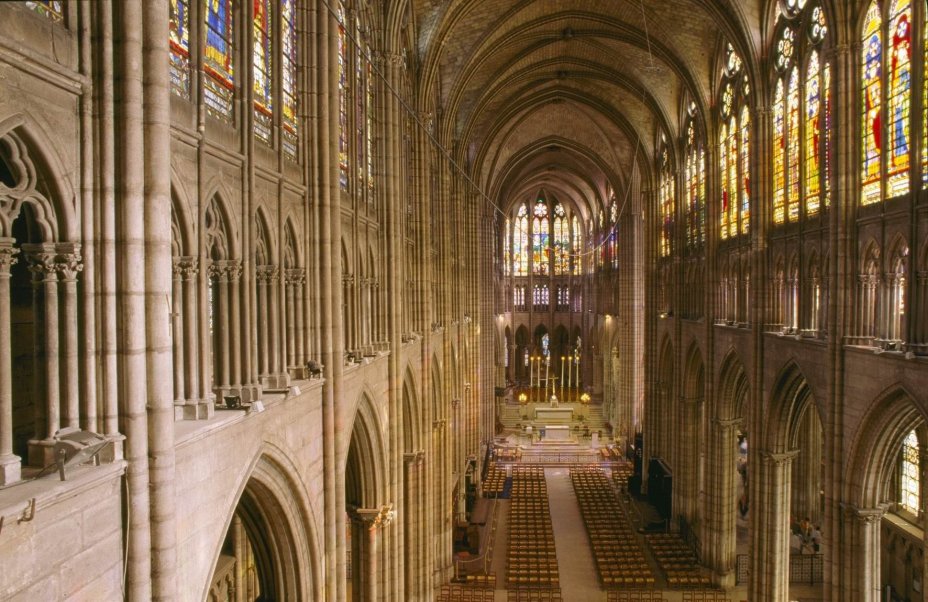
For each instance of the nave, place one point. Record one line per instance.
(581, 520)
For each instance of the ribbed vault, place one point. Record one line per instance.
(572, 95)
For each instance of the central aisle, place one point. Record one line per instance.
(576, 568)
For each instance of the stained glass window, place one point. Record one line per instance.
(792, 150)
(909, 485)
(576, 246)
(360, 112)
(263, 70)
(813, 146)
(666, 205)
(179, 45)
(342, 101)
(369, 127)
(603, 240)
(723, 171)
(899, 98)
(734, 149)
(779, 154)
(220, 82)
(507, 248)
(540, 238)
(733, 185)
(561, 241)
(290, 132)
(872, 107)
(826, 152)
(521, 250)
(614, 233)
(50, 9)
(925, 106)
(744, 149)
(695, 187)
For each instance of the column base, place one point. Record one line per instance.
(724, 580)
(251, 393)
(275, 381)
(41, 452)
(195, 409)
(115, 452)
(10, 469)
(297, 372)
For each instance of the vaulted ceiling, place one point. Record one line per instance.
(572, 95)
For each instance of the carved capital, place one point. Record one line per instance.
(727, 423)
(68, 265)
(226, 270)
(780, 458)
(266, 273)
(8, 255)
(41, 258)
(296, 276)
(186, 267)
(373, 518)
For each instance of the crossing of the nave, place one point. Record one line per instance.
(419, 300)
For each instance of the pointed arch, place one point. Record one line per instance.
(694, 373)
(791, 397)
(264, 249)
(412, 424)
(875, 446)
(41, 179)
(364, 468)
(277, 519)
(292, 256)
(217, 230)
(182, 225)
(733, 388)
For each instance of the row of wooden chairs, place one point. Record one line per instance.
(533, 595)
(677, 561)
(635, 595)
(705, 596)
(465, 593)
(507, 454)
(532, 558)
(616, 549)
(495, 482)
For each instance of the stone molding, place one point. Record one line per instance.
(266, 274)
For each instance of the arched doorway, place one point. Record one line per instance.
(266, 553)
(367, 514)
(792, 441)
(729, 499)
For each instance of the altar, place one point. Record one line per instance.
(553, 415)
(557, 433)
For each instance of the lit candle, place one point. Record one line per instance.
(562, 376)
(547, 365)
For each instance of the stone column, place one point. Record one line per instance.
(299, 329)
(219, 272)
(177, 333)
(720, 553)
(373, 520)
(45, 304)
(291, 321)
(9, 463)
(262, 277)
(68, 264)
(195, 408)
(770, 574)
(862, 530)
(234, 323)
(274, 330)
(412, 504)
